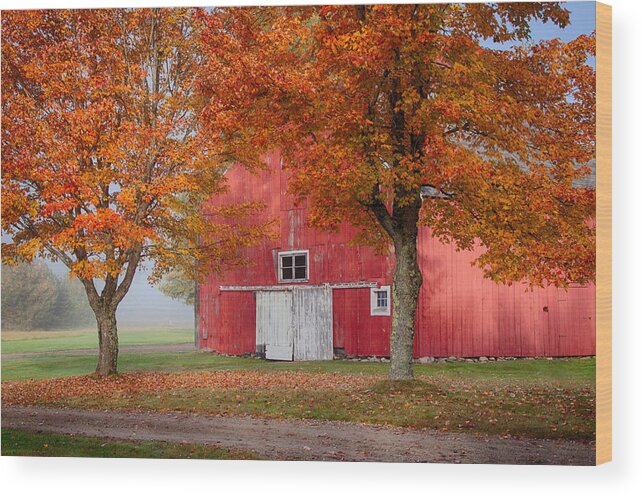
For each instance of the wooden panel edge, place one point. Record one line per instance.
(604, 233)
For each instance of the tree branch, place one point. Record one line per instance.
(133, 261)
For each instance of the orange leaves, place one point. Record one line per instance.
(59, 389)
(102, 153)
(377, 101)
(367, 104)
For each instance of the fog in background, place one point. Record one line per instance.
(144, 304)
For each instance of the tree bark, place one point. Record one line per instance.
(402, 227)
(197, 327)
(107, 341)
(104, 306)
(407, 281)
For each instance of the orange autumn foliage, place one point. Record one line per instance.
(102, 163)
(370, 103)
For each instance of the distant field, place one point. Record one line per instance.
(46, 341)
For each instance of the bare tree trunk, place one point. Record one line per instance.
(197, 327)
(402, 227)
(407, 281)
(105, 313)
(107, 341)
(104, 306)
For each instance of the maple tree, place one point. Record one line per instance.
(103, 167)
(374, 105)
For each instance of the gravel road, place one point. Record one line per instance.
(302, 440)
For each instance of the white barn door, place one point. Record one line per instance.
(275, 324)
(295, 324)
(313, 319)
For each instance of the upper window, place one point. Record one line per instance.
(381, 301)
(293, 266)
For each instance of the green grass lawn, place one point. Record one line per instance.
(23, 443)
(573, 371)
(44, 341)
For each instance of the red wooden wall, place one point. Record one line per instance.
(460, 313)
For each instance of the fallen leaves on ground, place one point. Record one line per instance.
(495, 407)
(57, 389)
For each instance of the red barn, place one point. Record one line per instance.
(310, 294)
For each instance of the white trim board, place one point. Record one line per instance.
(282, 288)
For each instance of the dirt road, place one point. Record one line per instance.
(301, 440)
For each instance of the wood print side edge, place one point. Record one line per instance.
(604, 233)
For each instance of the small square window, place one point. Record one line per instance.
(381, 301)
(293, 266)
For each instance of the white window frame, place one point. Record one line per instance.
(293, 253)
(380, 311)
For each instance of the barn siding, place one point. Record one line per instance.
(460, 313)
